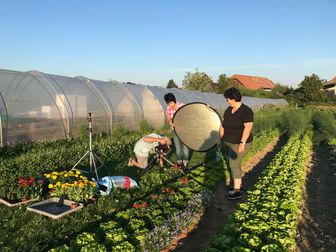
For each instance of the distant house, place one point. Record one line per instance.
(252, 82)
(330, 85)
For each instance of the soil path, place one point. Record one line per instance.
(317, 226)
(220, 208)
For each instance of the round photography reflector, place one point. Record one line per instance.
(197, 125)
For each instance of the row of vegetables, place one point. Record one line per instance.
(267, 219)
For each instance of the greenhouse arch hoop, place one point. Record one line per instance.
(36, 106)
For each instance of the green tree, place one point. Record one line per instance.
(222, 84)
(171, 84)
(197, 81)
(310, 89)
(280, 89)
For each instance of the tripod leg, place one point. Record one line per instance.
(95, 155)
(167, 161)
(80, 160)
(94, 165)
(195, 166)
(149, 165)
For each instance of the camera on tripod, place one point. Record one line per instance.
(160, 152)
(162, 149)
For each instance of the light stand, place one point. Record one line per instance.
(91, 153)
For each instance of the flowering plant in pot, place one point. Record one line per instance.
(72, 184)
(21, 189)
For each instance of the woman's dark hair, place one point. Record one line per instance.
(169, 97)
(233, 93)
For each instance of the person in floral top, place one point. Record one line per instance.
(182, 151)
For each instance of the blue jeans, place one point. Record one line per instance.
(182, 151)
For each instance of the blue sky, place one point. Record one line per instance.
(152, 41)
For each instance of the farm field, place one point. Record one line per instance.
(291, 169)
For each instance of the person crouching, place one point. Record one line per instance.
(145, 146)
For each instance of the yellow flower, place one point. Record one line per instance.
(78, 172)
(50, 186)
(47, 175)
(58, 184)
(54, 177)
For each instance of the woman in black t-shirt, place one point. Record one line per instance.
(236, 132)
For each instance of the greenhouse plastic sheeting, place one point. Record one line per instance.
(35, 106)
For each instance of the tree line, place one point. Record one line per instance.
(310, 90)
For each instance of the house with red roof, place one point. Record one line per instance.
(252, 82)
(330, 85)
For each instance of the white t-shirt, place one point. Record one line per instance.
(143, 148)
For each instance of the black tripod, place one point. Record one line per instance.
(157, 158)
(92, 155)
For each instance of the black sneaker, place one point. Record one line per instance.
(231, 190)
(235, 195)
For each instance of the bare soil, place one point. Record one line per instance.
(317, 225)
(220, 208)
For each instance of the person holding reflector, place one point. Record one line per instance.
(182, 151)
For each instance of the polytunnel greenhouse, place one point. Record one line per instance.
(35, 106)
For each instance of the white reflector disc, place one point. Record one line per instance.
(197, 126)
